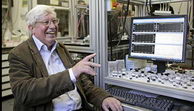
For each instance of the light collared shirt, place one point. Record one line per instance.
(70, 100)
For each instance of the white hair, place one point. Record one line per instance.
(39, 12)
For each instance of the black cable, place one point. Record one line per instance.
(119, 32)
(126, 13)
(150, 4)
(147, 7)
(124, 22)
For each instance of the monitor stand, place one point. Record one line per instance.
(161, 66)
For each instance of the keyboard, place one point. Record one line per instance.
(141, 99)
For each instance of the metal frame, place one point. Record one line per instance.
(103, 42)
(103, 46)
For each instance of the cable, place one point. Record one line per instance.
(126, 13)
(150, 4)
(180, 7)
(124, 22)
(147, 7)
(120, 32)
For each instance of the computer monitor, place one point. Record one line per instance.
(159, 38)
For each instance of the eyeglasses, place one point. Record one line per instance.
(48, 22)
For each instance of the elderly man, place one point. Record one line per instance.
(44, 77)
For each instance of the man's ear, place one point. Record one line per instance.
(30, 28)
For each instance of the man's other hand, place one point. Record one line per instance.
(112, 104)
(85, 66)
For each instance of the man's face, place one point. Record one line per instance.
(46, 29)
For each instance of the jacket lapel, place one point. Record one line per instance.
(63, 56)
(68, 64)
(40, 63)
(37, 57)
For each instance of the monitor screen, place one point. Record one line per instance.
(161, 38)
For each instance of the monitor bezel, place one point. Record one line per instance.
(162, 59)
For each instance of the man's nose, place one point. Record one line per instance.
(52, 25)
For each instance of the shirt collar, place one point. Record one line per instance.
(41, 45)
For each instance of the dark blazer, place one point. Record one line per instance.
(34, 89)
